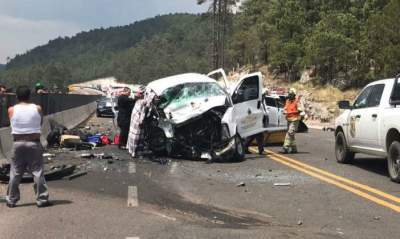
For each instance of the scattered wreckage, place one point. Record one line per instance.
(194, 117)
(55, 173)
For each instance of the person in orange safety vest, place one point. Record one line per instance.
(294, 112)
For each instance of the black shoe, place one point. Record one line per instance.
(10, 205)
(44, 204)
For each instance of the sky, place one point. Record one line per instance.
(25, 24)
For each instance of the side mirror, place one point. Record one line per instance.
(344, 105)
(394, 101)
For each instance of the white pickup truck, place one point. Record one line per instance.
(371, 125)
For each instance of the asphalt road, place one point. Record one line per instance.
(128, 198)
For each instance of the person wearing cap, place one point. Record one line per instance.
(125, 106)
(39, 88)
(293, 111)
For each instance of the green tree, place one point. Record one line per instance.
(382, 44)
(332, 48)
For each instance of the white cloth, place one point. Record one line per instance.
(26, 119)
(142, 107)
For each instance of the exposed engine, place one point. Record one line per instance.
(200, 134)
(191, 138)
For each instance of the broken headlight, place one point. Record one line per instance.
(166, 127)
(225, 134)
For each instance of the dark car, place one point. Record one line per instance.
(105, 108)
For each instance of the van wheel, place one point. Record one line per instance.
(342, 152)
(394, 161)
(239, 149)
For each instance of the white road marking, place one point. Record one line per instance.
(174, 167)
(132, 196)
(132, 168)
(132, 238)
(160, 215)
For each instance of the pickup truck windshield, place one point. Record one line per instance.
(186, 93)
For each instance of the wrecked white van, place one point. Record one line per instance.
(195, 117)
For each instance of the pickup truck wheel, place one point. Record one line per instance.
(239, 149)
(394, 161)
(342, 152)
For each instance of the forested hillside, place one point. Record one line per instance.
(344, 42)
(347, 42)
(2, 67)
(136, 53)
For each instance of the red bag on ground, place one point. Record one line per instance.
(116, 139)
(105, 140)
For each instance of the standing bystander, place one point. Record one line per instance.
(26, 120)
(3, 107)
(3, 90)
(40, 89)
(125, 106)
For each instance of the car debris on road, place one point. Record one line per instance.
(282, 184)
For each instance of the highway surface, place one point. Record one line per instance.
(307, 195)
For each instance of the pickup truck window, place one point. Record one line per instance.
(374, 98)
(270, 101)
(248, 90)
(362, 99)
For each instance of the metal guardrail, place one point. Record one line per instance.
(51, 103)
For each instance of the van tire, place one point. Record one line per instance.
(239, 149)
(394, 161)
(342, 152)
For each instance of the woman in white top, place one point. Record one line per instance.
(26, 121)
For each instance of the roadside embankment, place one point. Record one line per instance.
(70, 118)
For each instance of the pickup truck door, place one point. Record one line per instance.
(364, 118)
(221, 71)
(272, 111)
(247, 111)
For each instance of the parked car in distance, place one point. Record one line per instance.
(106, 107)
(371, 125)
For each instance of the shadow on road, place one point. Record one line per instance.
(374, 165)
(53, 202)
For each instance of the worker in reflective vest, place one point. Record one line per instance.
(294, 113)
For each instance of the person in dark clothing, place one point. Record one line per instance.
(125, 106)
(260, 143)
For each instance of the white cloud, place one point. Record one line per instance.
(19, 35)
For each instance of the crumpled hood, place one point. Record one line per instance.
(194, 108)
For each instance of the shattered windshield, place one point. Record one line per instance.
(181, 94)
